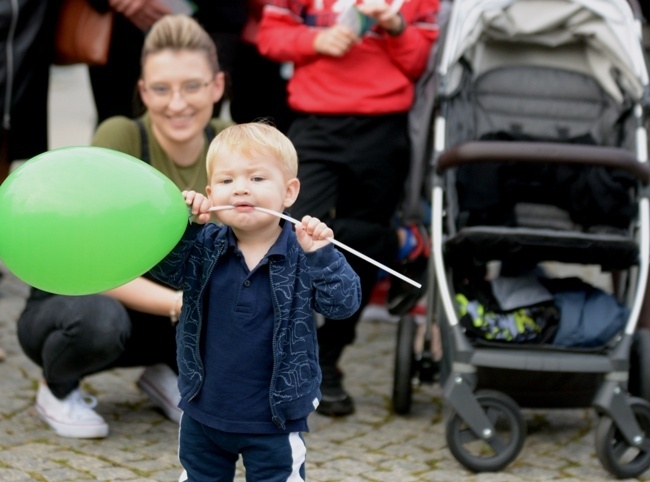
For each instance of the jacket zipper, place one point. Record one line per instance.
(276, 327)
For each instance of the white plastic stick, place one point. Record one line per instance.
(220, 208)
(331, 240)
(345, 247)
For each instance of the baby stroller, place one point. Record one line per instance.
(539, 155)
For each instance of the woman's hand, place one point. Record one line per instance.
(176, 305)
(147, 296)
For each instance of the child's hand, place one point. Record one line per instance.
(199, 206)
(312, 234)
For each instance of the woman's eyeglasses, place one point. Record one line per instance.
(189, 90)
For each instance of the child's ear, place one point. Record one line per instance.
(293, 188)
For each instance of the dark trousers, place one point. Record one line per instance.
(210, 455)
(258, 89)
(72, 337)
(25, 69)
(352, 172)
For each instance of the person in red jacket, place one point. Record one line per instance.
(355, 67)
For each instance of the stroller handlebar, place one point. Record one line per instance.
(543, 152)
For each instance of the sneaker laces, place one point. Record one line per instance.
(80, 405)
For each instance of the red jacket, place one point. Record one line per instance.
(376, 76)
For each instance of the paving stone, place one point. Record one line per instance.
(13, 475)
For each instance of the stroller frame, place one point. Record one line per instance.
(624, 420)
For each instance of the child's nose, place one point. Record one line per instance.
(241, 186)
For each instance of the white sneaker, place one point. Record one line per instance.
(71, 417)
(161, 384)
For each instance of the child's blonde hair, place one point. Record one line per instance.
(255, 139)
(179, 32)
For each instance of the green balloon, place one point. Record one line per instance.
(81, 220)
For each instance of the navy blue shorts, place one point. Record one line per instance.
(210, 455)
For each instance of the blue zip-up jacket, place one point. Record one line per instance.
(301, 283)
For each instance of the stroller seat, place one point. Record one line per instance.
(610, 247)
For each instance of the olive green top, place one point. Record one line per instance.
(123, 134)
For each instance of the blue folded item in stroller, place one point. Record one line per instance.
(589, 317)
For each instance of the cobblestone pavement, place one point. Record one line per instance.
(372, 445)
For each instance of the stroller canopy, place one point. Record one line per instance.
(600, 38)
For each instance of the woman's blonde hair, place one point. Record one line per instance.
(255, 139)
(179, 32)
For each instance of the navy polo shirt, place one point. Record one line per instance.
(237, 346)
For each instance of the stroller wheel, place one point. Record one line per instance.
(404, 365)
(614, 452)
(479, 454)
